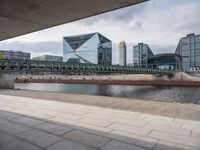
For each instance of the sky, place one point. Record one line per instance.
(158, 23)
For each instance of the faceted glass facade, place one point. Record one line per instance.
(91, 48)
(189, 49)
(141, 53)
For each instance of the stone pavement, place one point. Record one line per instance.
(36, 124)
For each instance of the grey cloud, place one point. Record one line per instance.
(122, 15)
(163, 49)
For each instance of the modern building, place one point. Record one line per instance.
(92, 48)
(165, 61)
(122, 53)
(49, 58)
(189, 49)
(14, 55)
(141, 53)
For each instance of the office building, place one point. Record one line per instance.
(91, 48)
(122, 53)
(48, 58)
(189, 49)
(165, 61)
(141, 53)
(15, 55)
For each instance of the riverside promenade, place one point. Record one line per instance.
(31, 120)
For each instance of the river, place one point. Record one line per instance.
(171, 94)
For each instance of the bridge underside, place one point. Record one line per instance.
(18, 17)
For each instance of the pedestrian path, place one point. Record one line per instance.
(36, 124)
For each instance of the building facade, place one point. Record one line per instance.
(14, 55)
(165, 61)
(189, 49)
(122, 53)
(91, 48)
(141, 53)
(49, 58)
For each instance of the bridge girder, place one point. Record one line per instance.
(33, 66)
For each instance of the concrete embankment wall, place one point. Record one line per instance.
(7, 80)
(179, 79)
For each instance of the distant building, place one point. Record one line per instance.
(91, 48)
(122, 53)
(49, 58)
(165, 61)
(141, 53)
(15, 55)
(189, 49)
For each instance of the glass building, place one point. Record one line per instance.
(165, 61)
(189, 49)
(141, 53)
(91, 48)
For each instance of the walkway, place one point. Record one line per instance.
(36, 124)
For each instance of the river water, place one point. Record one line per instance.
(171, 94)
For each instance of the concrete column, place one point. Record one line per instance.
(7, 81)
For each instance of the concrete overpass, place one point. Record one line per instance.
(19, 17)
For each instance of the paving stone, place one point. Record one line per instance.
(134, 139)
(95, 121)
(9, 116)
(4, 137)
(87, 138)
(53, 128)
(191, 126)
(92, 128)
(130, 129)
(194, 142)
(98, 116)
(195, 133)
(13, 128)
(163, 145)
(18, 145)
(163, 122)
(156, 117)
(69, 116)
(117, 145)
(174, 130)
(39, 138)
(63, 121)
(39, 115)
(2, 121)
(27, 121)
(191, 122)
(130, 121)
(69, 145)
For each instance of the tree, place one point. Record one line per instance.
(1, 55)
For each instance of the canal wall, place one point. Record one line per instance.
(7, 80)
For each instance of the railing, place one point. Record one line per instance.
(33, 66)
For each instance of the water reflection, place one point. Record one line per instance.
(172, 94)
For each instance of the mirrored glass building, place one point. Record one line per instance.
(91, 48)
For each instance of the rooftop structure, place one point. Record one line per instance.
(4, 54)
(49, 58)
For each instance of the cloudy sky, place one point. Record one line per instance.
(159, 23)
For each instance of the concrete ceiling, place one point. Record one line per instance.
(18, 17)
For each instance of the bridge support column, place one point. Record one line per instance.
(7, 81)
